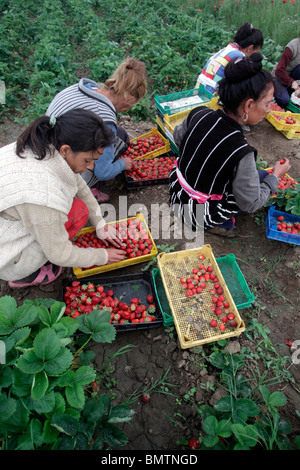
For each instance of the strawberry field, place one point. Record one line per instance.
(129, 385)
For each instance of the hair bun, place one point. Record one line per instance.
(242, 68)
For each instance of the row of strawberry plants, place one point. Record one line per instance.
(48, 46)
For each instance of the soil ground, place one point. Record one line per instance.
(272, 271)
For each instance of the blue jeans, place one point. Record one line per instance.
(229, 224)
(281, 93)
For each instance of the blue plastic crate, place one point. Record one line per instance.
(271, 227)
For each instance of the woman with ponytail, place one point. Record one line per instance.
(216, 166)
(246, 41)
(44, 201)
(120, 92)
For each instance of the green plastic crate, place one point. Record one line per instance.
(235, 281)
(233, 277)
(293, 107)
(162, 298)
(165, 109)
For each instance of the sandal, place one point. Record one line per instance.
(99, 195)
(46, 274)
(224, 232)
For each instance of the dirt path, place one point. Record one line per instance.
(272, 271)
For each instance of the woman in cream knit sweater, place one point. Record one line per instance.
(44, 201)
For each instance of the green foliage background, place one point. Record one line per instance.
(48, 45)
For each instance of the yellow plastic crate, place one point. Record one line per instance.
(79, 272)
(173, 120)
(281, 125)
(291, 134)
(192, 315)
(155, 153)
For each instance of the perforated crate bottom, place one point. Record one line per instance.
(192, 315)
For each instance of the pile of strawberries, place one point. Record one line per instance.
(204, 278)
(83, 298)
(133, 233)
(151, 169)
(275, 107)
(285, 181)
(287, 120)
(288, 227)
(143, 145)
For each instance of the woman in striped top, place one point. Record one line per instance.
(124, 89)
(217, 167)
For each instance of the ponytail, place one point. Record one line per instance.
(82, 130)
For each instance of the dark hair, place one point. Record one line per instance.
(247, 35)
(244, 79)
(82, 130)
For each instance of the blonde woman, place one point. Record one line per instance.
(124, 89)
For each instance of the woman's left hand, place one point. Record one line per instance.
(108, 234)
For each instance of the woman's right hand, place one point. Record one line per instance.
(281, 169)
(128, 162)
(115, 255)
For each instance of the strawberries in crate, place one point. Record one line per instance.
(132, 231)
(143, 145)
(151, 169)
(204, 280)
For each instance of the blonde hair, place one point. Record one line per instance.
(129, 79)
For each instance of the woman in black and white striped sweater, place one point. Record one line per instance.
(217, 166)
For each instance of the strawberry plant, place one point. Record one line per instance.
(248, 417)
(287, 200)
(44, 402)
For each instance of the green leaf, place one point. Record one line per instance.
(17, 421)
(60, 363)
(7, 408)
(56, 311)
(223, 405)
(66, 326)
(65, 423)
(246, 435)
(29, 363)
(120, 414)
(284, 426)
(97, 409)
(33, 436)
(8, 306)
(84, 375)
(44, 315)
(39, 385)
(45, 405)
(210, 441)
(6, 326)
(112, 435)
(210, 425)
(50, 433)
(97, 324)
(16, 338)
(75, 395)
(22, 382)
(105, 334)
(24, 315)
(5, 376)
(277, 399)
(46, 344)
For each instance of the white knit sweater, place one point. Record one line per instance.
(36, 197)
